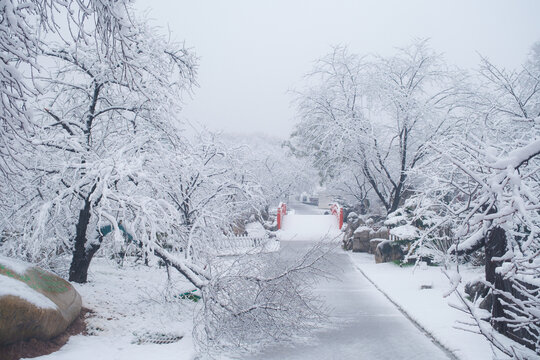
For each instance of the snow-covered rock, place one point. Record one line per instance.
(34, 303)
(373, 243)
(387, 251)
(405, 232)
(361, 229)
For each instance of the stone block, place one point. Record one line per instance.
(373, 245)
(387, 251)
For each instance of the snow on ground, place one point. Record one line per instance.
(420, 294)
(132, 304)
(309, 228)
(361, 323)
(136, 303)
(255, 229)
(116, 348)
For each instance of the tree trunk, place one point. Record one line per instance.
(396, 200)
(496, 247)
(78, 271)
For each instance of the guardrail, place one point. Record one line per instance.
(281, 212)
(337, 211)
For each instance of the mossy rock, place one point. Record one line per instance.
(36, 304)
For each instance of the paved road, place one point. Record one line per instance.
(367, 326)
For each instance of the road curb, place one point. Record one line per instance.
(423, 330)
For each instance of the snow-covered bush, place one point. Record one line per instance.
(413, 225)
(258, 301)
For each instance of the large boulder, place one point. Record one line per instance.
(361, 239)
(381, 233)
(387, 251)
(373, 243)
(34, 303)
(353, 222)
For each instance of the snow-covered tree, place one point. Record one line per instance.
(375, 116)
(279, 173)
(485, 183)
(105, 164)
(261, 300)
(213, 190)
(23, 26)
(100, 135)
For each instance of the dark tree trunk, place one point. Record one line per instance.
(397, 199)
(495, 244)
(78, 271)
(496, 247)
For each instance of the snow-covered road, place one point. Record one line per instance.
(365, 324)
(305, 209)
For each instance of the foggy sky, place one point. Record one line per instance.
(253, 51)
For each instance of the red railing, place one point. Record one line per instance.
(281, 212)
(337, 211)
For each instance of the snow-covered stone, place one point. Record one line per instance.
(405, 232)
(387, 251)
(373, 243)
(362, 229)
(34, 303)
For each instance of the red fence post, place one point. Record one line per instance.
(281, 211)
(337, 211)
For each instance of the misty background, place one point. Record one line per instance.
(252, 53)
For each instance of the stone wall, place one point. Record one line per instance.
(362, 236)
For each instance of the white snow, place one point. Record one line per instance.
(255, 229)
(10, 286)
(518, 155)
(15, 265)
(129, 302)
(119, 348)
(395, 220)
(420, 294)
(309, 228)
(362, 229)
(405, 232)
